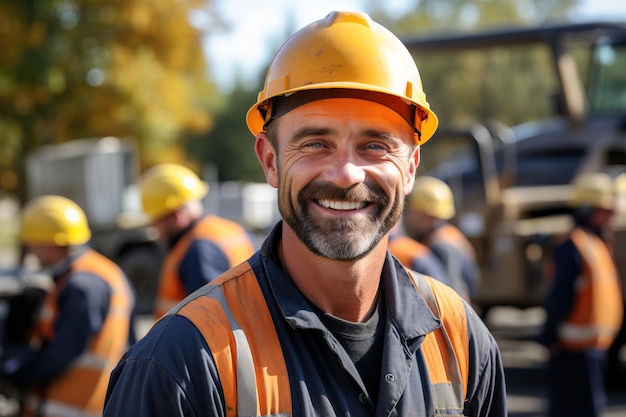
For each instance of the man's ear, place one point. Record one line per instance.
(266, 154)
(414, 161)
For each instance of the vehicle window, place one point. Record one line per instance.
(548, 167)
(607, 82)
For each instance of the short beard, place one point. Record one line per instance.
(341, 239)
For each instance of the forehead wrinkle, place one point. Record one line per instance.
(380, 134)
(306, 131)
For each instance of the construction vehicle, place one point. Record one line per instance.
(512, 183)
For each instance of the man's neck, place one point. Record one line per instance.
(345, 289)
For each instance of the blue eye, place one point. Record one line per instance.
(313, 145)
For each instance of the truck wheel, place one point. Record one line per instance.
(142, 265)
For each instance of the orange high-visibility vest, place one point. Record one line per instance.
(452, 235)
(598, 309)
(81, 389)
(229, 236)
(407, 249)
(235, 321)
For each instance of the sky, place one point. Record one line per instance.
(260, 27)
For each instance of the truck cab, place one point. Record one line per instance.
(512, 183)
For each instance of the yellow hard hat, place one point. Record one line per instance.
(433, 197)
(166, 187)
(54, 220)
(345, 54)
(620, 193)
(595, 189)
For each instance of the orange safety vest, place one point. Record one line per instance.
(235, 321)
(452, 235)
(229, 236)
(406, 249)
(598, 309)
(81, 389)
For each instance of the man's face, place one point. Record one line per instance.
(417, 223)
(601, 218)
(47, 255)
(166, 227)
(342, 168)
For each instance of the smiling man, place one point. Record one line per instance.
(323, 320)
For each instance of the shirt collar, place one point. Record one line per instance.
(406, 309)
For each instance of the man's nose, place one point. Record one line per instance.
(345, 169)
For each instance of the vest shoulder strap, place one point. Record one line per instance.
(249, 359)
(446, 350)
(244, 344)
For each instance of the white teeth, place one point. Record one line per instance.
(342, 205)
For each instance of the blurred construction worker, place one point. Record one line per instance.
(323, 320)
(415, 255)
(616, 374)
(200, 247)
(85, 323)
(429, 208)
(584, 305)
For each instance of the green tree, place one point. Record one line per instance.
(229, 146)
(88, 68)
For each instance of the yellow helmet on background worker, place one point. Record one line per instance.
(167, 187)
(345, 54)
(433, 197)
(54, 220)
(594, 189)
(619, 185)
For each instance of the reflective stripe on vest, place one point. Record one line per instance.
(56, 409)
(445, 349)
(81, 389)
(235, 321)
(598, 307)
(229, 236)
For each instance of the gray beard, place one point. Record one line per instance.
(341, 239)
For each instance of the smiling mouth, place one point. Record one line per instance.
(342, 205)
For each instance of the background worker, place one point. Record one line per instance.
(200, 247)
(429, 208)
(584, 305)
(415, 255)
(85, 321)
(323, 321)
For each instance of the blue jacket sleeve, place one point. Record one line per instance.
(452, 261)
(486, 380)
(568, 266)
(155, 376)
(203, 262)
(432, 267)
(82, 307)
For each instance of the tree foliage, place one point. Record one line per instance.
(88, 68)
(136, 69)
(229, 146)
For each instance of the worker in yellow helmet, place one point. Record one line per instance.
(427, 216)
(415, 255)
(584, 305)
(200, 247)
(323, 320)
(85, 323)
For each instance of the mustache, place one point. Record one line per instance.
(321, 190)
